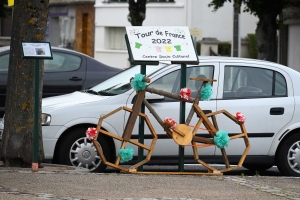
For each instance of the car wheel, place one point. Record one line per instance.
(77, 150)
(256, 167)
(288, 157)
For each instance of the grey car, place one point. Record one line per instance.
(69, 71)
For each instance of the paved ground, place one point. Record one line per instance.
(63, 182)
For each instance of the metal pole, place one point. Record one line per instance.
(36, 117)
(182, 117)
(141, 127)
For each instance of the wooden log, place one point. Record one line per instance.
(158, 119)
(203, 140)
(168, 94)
(225, 158)
(237, 136)
(192, 110)
(244, 156)
(203, 79)
(139, 144)
(207, 166)
(119, 157)
(233, 118)
(208, 125)
(195, 150)
(111, 135)
(215, 123)
(215, 173)
(133, 115)
(197, 126)
(99, 150)
(229, 169)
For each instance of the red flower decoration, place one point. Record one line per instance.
(240, 116)
(91, 133)
(171, 123)
(185, 93)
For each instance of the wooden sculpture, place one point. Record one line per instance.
(181, 134)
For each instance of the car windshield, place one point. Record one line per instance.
(120, 83)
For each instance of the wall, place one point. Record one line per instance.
(293, 54)
(191, 13)
(115, 15)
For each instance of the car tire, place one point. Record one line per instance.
(257, 167)
(77, 150)
(288, 157)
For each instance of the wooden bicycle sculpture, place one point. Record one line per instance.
(181, 133)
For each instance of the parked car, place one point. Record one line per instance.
(69, 71)
(265, 92)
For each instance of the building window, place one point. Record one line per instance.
(117, 38)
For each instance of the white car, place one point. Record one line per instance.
(265, 92)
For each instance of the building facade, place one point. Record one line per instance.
(111, 20)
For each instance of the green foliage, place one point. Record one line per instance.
(198, 48)
(224, 48)
(252, 46)
(258, 7)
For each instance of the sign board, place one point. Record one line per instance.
(161, 43)
(196, 32)
(40, 50)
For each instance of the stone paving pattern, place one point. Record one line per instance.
(68, 183)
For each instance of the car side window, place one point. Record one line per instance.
(206, 71)
(166, 82)
(4, 63)
(62, 62)
(171, 81)
(251, 82)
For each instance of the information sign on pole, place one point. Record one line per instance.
(161, 43)
(36, 50)
(147, 44)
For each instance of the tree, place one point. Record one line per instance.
(29, 25)
(267, 12)
(137, 12)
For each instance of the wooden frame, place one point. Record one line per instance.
(181, 130)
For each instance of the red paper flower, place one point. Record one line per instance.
(171, 123)
(185, 93)
(240, 116)
(91, 133)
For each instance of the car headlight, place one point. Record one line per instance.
(46, 119)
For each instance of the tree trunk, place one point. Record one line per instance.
(29, 25)
(266, 37)
(137, 12)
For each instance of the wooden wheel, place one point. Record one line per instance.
(182, 134)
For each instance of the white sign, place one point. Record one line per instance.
(161, 43)
(37, 50)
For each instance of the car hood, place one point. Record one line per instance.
(68, 100)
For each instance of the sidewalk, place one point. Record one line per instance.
(66, 182)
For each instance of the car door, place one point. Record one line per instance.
(64, 74)
(260, 93)
(4, 62)
(169, 81)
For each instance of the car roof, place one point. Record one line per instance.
(245, 60)
(5, 48)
